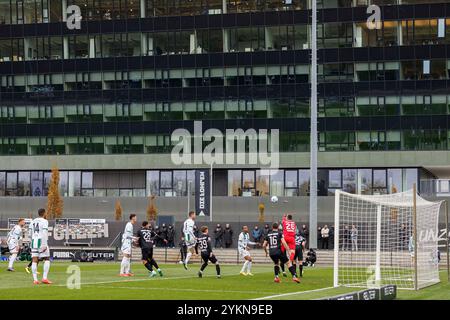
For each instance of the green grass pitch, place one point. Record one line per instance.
(101, 281)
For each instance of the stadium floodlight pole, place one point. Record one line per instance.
(313, 137)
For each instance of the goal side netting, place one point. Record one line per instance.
(385, 239)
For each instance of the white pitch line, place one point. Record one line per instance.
(181, 289)
(292, 293)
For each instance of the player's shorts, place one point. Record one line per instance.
(126, 248)
(298, 254)
(38, 253)
(244, 253)
(290, 242)
(13, 247)
(207, 257)
(190, 243)
(147, 254)
(277, 258)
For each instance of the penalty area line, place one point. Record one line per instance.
(292, 293)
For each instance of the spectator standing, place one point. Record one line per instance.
(228, 236)
(164, 234)
(257, 235)
(402, 237)
(265, 231)
(332, 237)
(305, 233)
(354, 238)
(171, 236)
(218, 235)
(325, 232)
(158, 237)
(319, 237)
(345, 238)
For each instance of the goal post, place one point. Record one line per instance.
(386, 239)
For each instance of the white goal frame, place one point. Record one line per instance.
(412, 268)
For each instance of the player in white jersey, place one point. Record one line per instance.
(189, 237)
(14, 237)
(127, 242)
(243, 242)
(39, 246)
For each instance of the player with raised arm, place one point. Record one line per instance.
(127, 242)
(274, 241)
(243, 242)
(146, 238)
(14, 236)
(189, 237)
(39, 246)
(299, 249)
(204, 245)
(289, 231)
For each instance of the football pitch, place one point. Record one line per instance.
(101, 281)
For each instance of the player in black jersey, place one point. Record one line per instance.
(299, 248)
(274, 240)
(204, 245)
(146, 239)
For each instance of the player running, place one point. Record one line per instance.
(274, 240)
(146, 238)
(39, 246)
(204, 244)
(189, 237)
(243, 242)
(289, 231)
(14, 236)
(127, 241)
(299, 248)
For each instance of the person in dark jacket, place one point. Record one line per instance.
(158, 242)
(164, 234)
(319, 237)
(265, 231)
(171, 236)
(228, 236)
(305, 234)
(183, 250)
(218, 236)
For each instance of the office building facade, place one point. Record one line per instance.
(101, 99)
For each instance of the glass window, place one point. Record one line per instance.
(334, 179)
(47, 178)
(410, 178)
(303, 182)
(248, 182)
(262, 182)
(395, 180)
(24, 185)
(234, 183)
(191, 181)
(74, 183)
(87, 180)
(179, 183)
(277, 183)
(364, 181)
(152, 183)
(379, 181)
(291, 183)
(166, 179)
(349, 180)
(11, 183)
(63, 183)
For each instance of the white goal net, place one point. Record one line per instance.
(385, 239)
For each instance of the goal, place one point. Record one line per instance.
(386, 239)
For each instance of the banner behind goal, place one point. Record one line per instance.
(378, 238)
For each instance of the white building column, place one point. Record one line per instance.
(66, 47)
(64, 10)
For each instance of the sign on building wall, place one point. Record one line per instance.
(202, 194)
